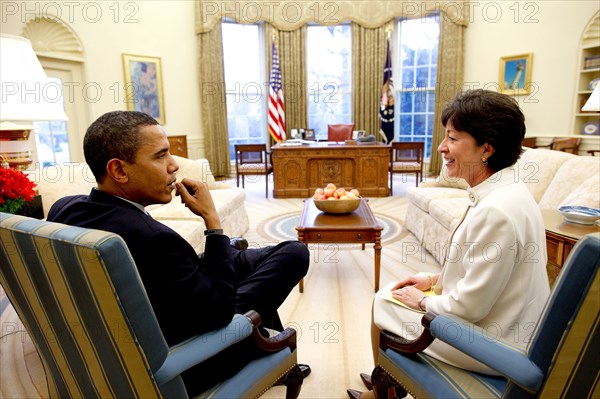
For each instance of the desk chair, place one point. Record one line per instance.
(406, 157)
(561, 359)
(565, 144)
(340, 132)
(252, 159)
(79, 295)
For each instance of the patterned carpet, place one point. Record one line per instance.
(331, 317)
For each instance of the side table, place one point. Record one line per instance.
(561, 237)
(359, 227)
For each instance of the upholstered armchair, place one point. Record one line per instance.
(406, 157)
(340, 132)
(561, 359)
(253, 159)
(78, 293)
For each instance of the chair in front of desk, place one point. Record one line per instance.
(253, 160)
(406, 157)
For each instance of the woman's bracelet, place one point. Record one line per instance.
(430, 281)
(420, 303)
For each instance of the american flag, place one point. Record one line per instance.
(386, 108)
(276, 118)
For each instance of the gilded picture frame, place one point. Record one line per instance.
(515, 74)
(144, 85)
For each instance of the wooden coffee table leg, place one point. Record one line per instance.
(377, 248)
(301, 286)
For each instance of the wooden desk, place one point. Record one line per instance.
(298, 171)
(561, 237)
(359, 227)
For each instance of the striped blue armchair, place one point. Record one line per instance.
(78, 293)
(561, 360)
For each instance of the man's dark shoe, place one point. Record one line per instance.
(238, 243)
(304, 369)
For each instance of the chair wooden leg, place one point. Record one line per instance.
(293, 382)
(384, 386)
(391, 183)
(267, 186)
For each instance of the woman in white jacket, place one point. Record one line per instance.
(494, 272)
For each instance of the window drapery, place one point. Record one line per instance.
(286, 24)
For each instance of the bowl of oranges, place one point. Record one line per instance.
(337, 200)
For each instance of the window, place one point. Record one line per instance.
(418, 50)
(244, 87)
(52, 143)
(329, 69)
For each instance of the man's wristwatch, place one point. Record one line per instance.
(213, 231)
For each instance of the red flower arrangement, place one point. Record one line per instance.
(15, 190)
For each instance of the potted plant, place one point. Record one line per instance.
(15, 190)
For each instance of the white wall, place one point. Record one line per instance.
(551, 30)
(107, 29)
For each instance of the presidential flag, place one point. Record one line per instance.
(386, 105)
(276, 117)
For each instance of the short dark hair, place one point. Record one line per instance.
(114, 135)
(489, 117)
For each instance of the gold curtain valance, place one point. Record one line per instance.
(290, 15)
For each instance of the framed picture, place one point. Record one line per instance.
(515, 74)
(143, 86)
(309, 134)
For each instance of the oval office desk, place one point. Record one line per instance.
(299, 170)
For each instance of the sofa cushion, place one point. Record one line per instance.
(537, 167)
(422, 196)
(587, 194)
(58, 181)
(448, 211)
(192, 231)
(195, 169)
(574, 176)
(226, 201)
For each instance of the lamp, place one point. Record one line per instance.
(27, 95)
(593, 103)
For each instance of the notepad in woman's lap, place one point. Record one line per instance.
(388, 296)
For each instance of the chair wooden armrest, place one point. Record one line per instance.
(388, 340)
(285, 338)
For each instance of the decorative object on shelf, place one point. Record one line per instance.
(591, 128)
(27, 95)
(594, 83)
(15, 190)
(593, 103)
(591, 62)
(143, 85)
(580, 214)
(515, 74)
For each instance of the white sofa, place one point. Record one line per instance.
(554, 179)
(76, 178)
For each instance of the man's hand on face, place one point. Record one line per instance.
(196, 196)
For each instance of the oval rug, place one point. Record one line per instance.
(283, 227)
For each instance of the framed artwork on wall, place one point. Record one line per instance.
(143, 86)
(515, 74)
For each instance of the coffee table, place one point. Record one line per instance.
(359, 227)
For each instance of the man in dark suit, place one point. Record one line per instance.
(128, 153)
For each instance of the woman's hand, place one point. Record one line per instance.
(408, 295)
(421, 281)
(196, 196)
